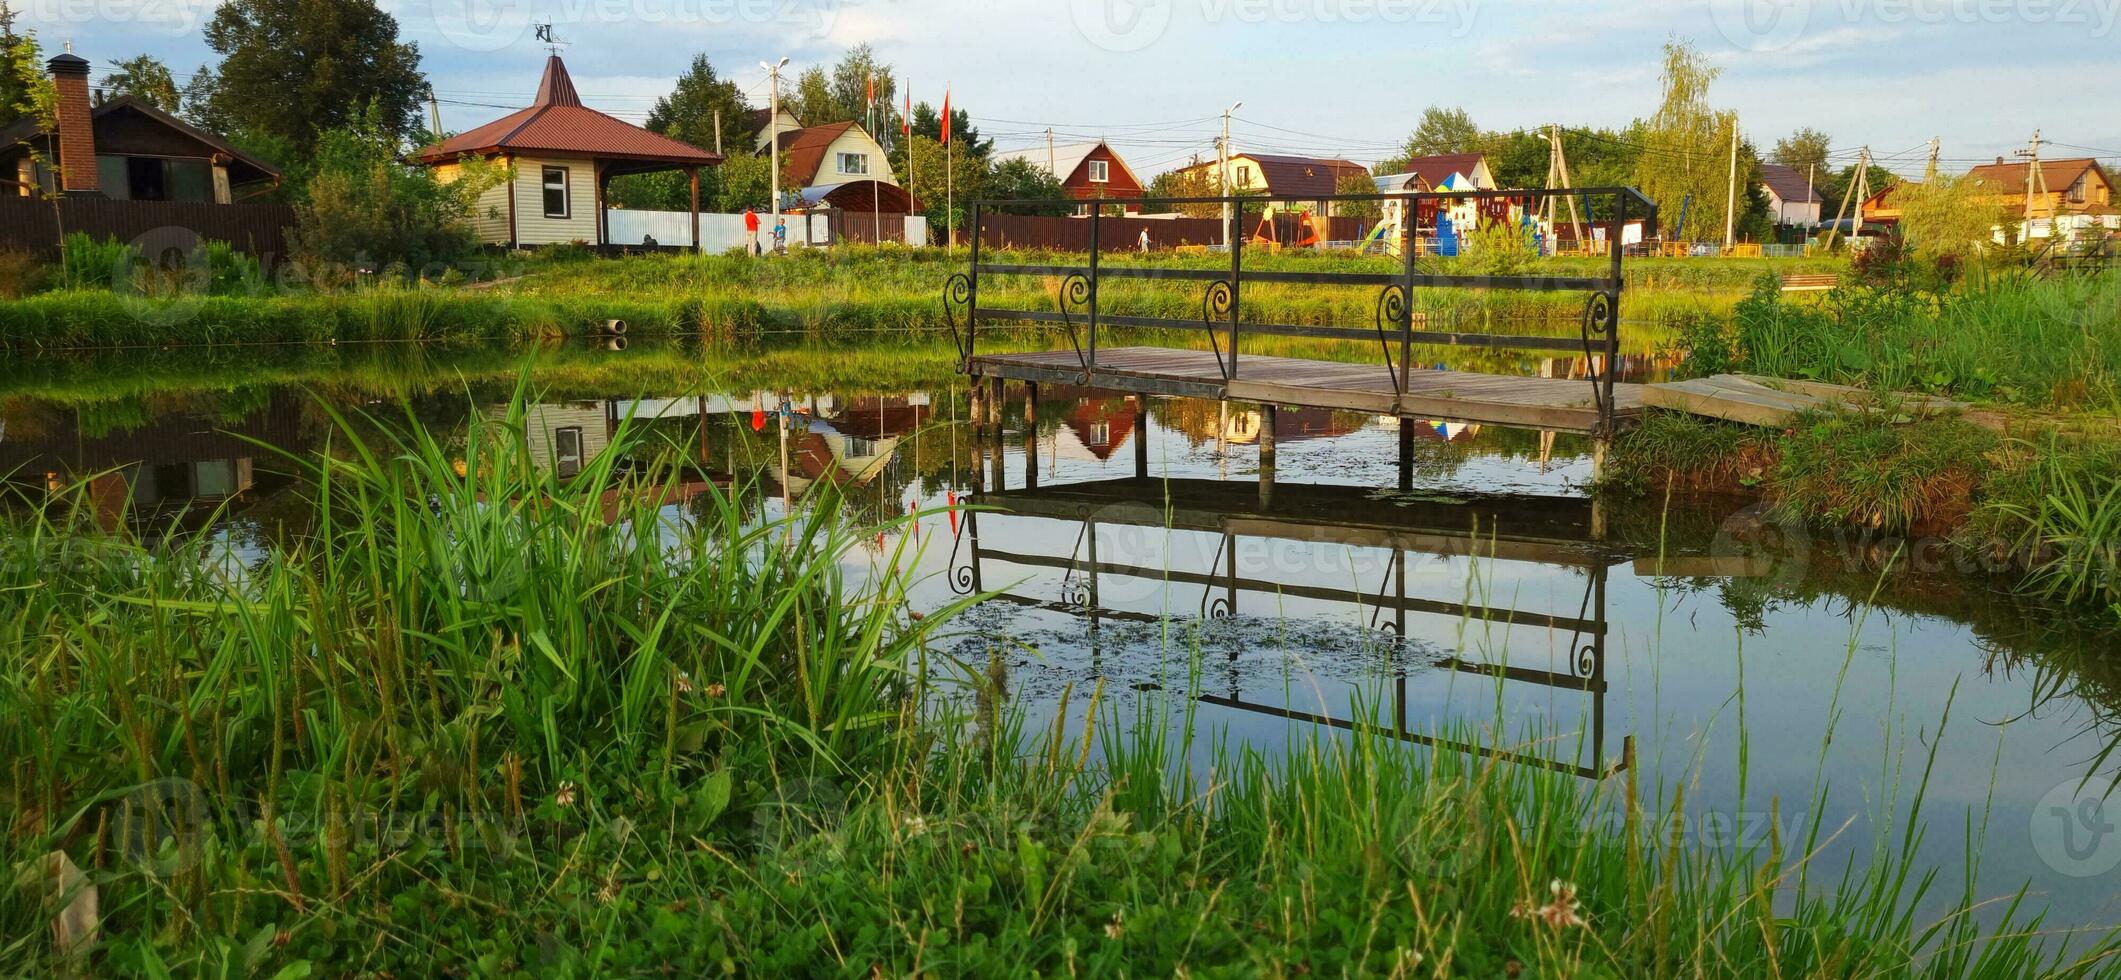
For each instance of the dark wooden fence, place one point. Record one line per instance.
(866, 227)
(258, 229)
(1120, 234)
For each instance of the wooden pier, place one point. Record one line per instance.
(1391, 385)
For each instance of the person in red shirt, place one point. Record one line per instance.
(751, 228)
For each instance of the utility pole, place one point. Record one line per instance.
(434, 114)
(773, 72)
(1929, 173)
(1558, 170)
(1052, 163)
(1811, 175)
(718, 131)
(1730, 198)
(1862, 179)
(2034, 178)
(1222, 168)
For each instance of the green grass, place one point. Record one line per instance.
(468, 719)
(2000, 336)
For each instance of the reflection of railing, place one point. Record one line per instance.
(1556, 532)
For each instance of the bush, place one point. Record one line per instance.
(88, 264)
(365, 210)
(21, 273)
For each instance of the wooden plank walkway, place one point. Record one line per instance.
(1560, 404)
(1773, 402)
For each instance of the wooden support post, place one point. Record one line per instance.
(1406, 454)
(1600, 447)
(693, 176)
(998, 396)
(1266, 454)
(1141, 437)
(973, 397)
(1030, 435)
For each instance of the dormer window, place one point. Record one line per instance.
(856, 164)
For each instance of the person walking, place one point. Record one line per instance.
(751, 230)
(1145, 238)
(780, 236)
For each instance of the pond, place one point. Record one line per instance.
(1495, 608)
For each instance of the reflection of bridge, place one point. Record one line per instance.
(1555, 532)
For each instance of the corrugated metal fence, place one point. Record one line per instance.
(1120, 234)
(259, 229)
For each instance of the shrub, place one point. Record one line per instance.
(21, 273)
(88, 264)
(366, 210)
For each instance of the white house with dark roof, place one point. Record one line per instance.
(1791, 197)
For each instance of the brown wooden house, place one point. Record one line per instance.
(1087, 171)
(123, 149)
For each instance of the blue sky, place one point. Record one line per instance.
(1330, 77)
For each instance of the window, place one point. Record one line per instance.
(2076, 192)
(1100, 434)
(854, 163)
(1244, 177)
(859, 448)
(555, 192)
(567, 450)
(130, 178)
(1100, 172)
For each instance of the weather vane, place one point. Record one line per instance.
(545, 37)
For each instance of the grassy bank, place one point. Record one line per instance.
(2043, 508)
(841, 294)
(479, 722)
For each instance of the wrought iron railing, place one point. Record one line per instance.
(1222, 291)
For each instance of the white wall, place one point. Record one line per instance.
(719, 232)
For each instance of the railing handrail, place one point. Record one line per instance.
(1222, 305)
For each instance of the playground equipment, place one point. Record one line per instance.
(1266, 234)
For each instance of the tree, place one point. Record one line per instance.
(1018, 179)
(365, 208)
(1444, 131)
(1685, 159)
(689, 113)
(1357, 182)
(1803, 150)
(21, 70)
(1186, 182)
(297, 68)
(928, 122)
(965, 173)
(744, 181)
(146, 79)
(1949, 218)
(812, 100)
(851, 83)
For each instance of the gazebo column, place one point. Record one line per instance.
(694, 174)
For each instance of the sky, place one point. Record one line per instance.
(1345, 78)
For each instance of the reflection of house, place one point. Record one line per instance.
(854, 446)
(165, 465)
(564, 436)
(125, 149)
(564, 154)
(1293, 425)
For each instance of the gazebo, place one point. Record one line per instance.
(564, 155)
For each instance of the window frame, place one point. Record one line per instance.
(862, 158)
(566, 189)
(1100, 171)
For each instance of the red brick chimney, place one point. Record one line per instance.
(77, 133)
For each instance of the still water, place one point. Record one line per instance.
(1494, 608)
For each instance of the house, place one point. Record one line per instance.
(1791, 197)
(124, 149)
(1302, 182)
(840, 165)
(1087, 171)
(768, 123)
(2078, 198)
(1462, 171)
(563, 155)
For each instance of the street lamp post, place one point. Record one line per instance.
(773, 135)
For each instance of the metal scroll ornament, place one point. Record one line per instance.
(963, 578)
(1391, 312)
(1215, 308)
(957, 295)
(1597, 331)
(1074, 296)
(1587, 658)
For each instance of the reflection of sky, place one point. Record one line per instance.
(1676, 662)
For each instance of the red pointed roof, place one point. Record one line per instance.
(559, 124)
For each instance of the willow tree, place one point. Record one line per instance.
(1686, 146)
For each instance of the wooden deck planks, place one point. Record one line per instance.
(1564, 404)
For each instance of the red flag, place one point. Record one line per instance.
(869, 99)
(946, 115)
(905, 122)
